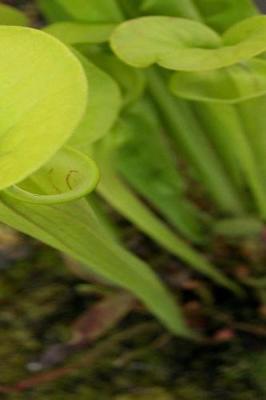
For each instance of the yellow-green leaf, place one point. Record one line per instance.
(185, 45)
(76, 33)
(68, 176)
(43, 95)
(102, 109)
(91, 10)
(233, 84)
(12, 16)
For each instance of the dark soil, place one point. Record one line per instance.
(40, 300)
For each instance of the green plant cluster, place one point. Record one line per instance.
(122, 93)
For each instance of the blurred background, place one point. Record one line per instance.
(262, 4)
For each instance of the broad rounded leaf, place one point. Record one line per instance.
(76, 33)
(181, 44)
(68, 176)
(43, 95)
(233, 84)
(12, 16)
(103, 107)
(173, 43)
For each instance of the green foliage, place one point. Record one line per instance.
(220, 15)
(53, 11)
(94, 11)
(159, 182)
(72, 228)
(85, 91)
(181, 44)
(11, 16)
(67, 176)
(173, 43)
(73, 33)
(231, 85)
(124, 200)
(185, 8)
(42, 98)
(102, 109)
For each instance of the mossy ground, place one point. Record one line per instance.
(40, 298)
